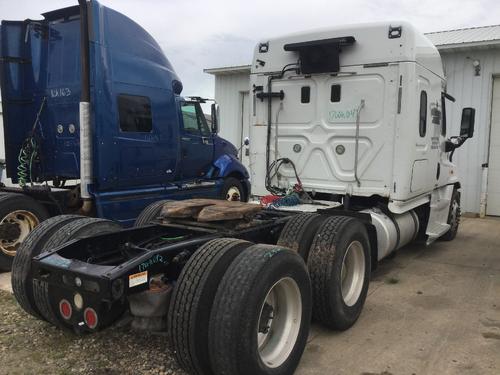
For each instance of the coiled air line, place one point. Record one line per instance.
(29, 152)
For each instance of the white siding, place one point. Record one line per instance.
(471, 91)
(229, 89)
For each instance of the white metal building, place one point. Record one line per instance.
(471, 60)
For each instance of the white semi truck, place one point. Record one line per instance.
(353, 121)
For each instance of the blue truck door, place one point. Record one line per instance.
(144, 142)
(197, 146)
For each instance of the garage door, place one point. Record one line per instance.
(493, 200)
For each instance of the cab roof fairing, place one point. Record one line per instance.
(372, 46)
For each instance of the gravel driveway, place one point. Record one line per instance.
(30, 346)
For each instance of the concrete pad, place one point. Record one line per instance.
(5, 282)
(431, 310)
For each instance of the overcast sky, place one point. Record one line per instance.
(197, 34)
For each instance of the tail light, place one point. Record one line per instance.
(65, 309)
(90, 317)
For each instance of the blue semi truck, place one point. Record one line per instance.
(95, 124)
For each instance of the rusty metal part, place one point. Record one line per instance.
(207, 210)
(233, 212)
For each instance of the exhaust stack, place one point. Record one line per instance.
(85, 127)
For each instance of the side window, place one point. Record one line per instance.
(193, 118)
(335, 94)
(443, 116)
(135, 113)
(422, 128)
(305, 94)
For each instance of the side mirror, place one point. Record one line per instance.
(214, 111)
(467, 122)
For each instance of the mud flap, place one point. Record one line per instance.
(439, 210)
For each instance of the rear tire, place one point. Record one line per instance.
(23, 214)
(299, 233)
(261, 314)
(233, 190)
(453, 217)
(191, 302)
(45, 302)
(22, 276)
(339, 266)
(150, 213)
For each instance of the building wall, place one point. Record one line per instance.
(470, 90)
(229, 89)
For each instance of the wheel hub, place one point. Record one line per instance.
(17, 225)
(279, 322)
(233, 194)
(266, 318)
(353, 273)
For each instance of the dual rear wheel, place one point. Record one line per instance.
(240, 308)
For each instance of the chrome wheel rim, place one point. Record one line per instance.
(26, 222)
(279, 322)
(353, 273)
(233, 194)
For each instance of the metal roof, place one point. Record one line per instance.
(450, 40)
(228, 70)
(483, 36)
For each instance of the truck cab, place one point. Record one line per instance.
(357, 114)
(95, 123)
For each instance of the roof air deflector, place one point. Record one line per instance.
(320, 56)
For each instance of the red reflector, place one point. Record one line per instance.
(65, 309)
(90, 317)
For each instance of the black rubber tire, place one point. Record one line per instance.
(230, 182)
(453, 219)
(325, 266)
(192, 299)
(234, 319)
(151, 212)
(76, 229)
(11, 202)
(298, 233)
(22, 277)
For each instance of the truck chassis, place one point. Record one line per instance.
(187, 276)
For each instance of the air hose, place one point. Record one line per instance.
(29, 152)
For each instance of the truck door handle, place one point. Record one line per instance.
(187, 139)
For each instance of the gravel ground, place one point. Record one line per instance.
(30, 346)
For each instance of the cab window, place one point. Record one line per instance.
(135, 113)
(193, 118)
(422, 128)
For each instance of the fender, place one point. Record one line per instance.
(227, 164)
